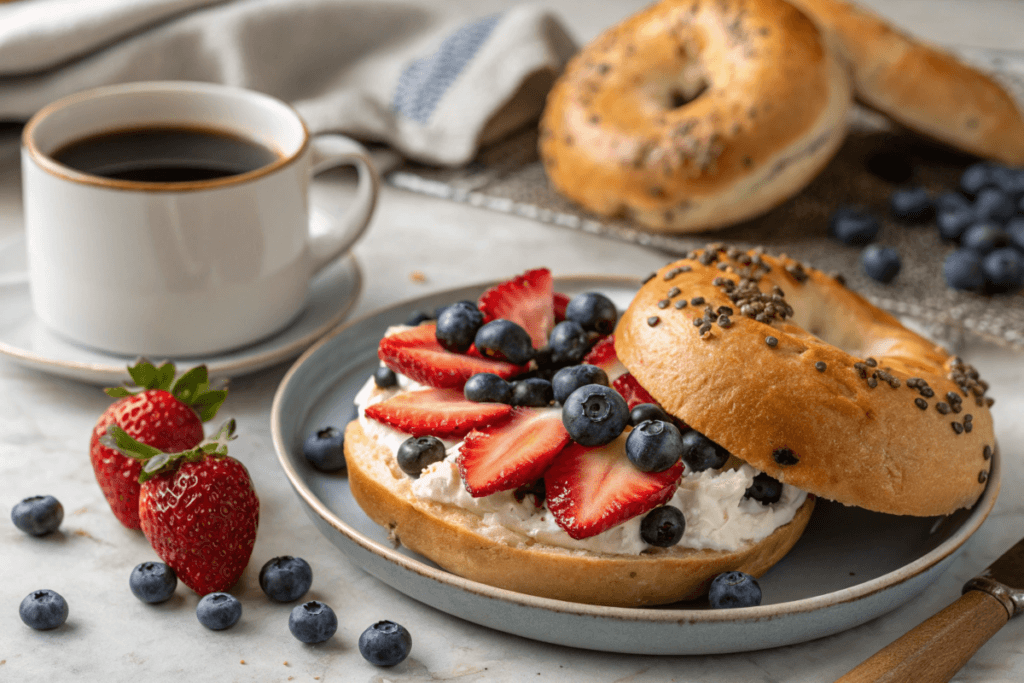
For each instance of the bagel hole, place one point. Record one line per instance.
(680, 97)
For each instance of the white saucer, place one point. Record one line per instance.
(26, 341)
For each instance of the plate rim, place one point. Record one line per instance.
(978, 513)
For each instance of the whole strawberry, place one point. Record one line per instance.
(165, 414)
(198, 508)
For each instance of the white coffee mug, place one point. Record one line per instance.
(166, 269)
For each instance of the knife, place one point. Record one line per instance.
(941, 645)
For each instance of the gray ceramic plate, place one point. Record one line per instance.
(849, 567)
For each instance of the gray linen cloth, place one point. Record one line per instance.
(432, 86)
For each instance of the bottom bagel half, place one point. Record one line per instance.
(454, 539)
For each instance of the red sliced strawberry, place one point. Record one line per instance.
(632, 391)
(591, 489)
(440, 412)
(513, 454)
(603, 356)
(561, 302)
(527, 300)
(416, 354)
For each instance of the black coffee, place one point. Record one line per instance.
(164, 155)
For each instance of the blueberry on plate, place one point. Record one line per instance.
(568, 342)
(457, 325)
(764, 489)
(569, 379)
(654, 446)
(734, 589)
(701, 453)
(976, 177)
(962, 270)
(532, 392)
(853, 226)
(595, 415)
(286, 578)
(1015, 233)
(504, 340)
(38, 515)
(385, 643)
(418, 452)
(385, 378)
(153, 582)
(325, 449)
(953, 222)
(880, 263)
(984, 237)
(486, 387)
(1003, 270)
(647, 411)
(313, 622)
(218, 611)
(43, 609)
(992, 204)
(663, 526)
(911, 205)
(593, 311)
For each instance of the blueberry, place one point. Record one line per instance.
(993, 205)
(1010, 181)
(950, 201)
(43, 609)
(663, 526)
(286, 578)
(418, 317)
(953, 222)
(533, 392)
(312, 622)
(1003, 270)
(486, 387)
(984, 237)
(325, 449)
(417, 452)
(764, 489)
(153, 582)
(38, 515)
(701, 453)
(457, 325)
(385, 643)
(595, 415)
(1015, 233)
(504, 340)
(568, 380)
(385, 378)
(853, 226)
(593, 311)
(912, 205)
(880, 263)
(963, 270)
(976, 177)
(734, 589)
(654, 446)
(647, 411)
(218, 611)
(569, 343)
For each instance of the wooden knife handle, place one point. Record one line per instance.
(938, 647)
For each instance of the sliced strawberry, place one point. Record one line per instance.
(439, 412)
(527, 300)
(603, 356)
(591, 489)
(513, 454)
(561, 302)
(416, 354)
(632, 391)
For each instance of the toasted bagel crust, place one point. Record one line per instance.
(452, 537)
(824, 431)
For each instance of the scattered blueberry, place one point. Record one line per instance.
(533, 392)
(504, 340)
(880, 263)
(764, 489)
(568, 380)
(663, 526)
(418, 317)
(963, 270)
(951, 201)
(43, 609)
(1010, 181)
(654, 446)
(385, 378)
(312, 622)
(953, 222)
(595, 415)
(976, 177)
(153, 582)
(569, 343)
(993, 205)
(734, 589)
(1015, 233)
(325, 449)
(853, 226)
(385, 643)
(486, 387)
(912, 205)
(984, 237)
(701, 453)
(593, 311)
(647, 411)
(457, 325)
(286, 578)
(38, 515)
(417, 452)
(1003, 270)
(218, 611)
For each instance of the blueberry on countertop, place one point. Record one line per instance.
(504, 340)
(984, 237)
(654, 446)
(962, 270)
(218, 611)
(949, 201)
(486, 387)
(153, 582)
(1003, 270)
(663, 526)
(457, 325)
(593, 311)
(764, 489)
(880, 263)
(418, 452)
(286, 578)
(325, 449)
(38, 515)
(911, 205)
(385, 643)
(992, 204)
(569, 342)
(532, 392)
(1015, 233)
(976, 177)
(853, 226)
(313, 622)
(43, 609)
(953, 222)
(734, 589)
(595, 415)
(569, 379)
(1010, 181)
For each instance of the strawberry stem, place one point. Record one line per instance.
(193, 388)
(155, 461)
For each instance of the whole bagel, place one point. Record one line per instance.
(695, 114)
(807, 381)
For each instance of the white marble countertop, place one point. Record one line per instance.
(111, 636)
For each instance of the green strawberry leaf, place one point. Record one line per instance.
(164, 376)
(193, 388)
(155, 461)
(119, 440)
(187, 385)
(117, 392)
(208, 402)
(143, 373)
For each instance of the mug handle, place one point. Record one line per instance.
(333, 150)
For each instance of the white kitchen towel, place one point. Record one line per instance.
(434, 87)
